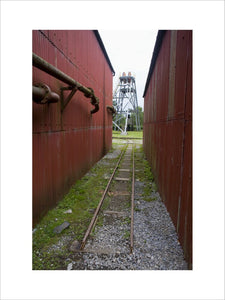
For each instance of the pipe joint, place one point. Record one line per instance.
(111, 109)
(42, 94)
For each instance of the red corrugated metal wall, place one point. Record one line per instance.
(168, 130)
(66, 145)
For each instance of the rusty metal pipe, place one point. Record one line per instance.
(43, 65)
(42, 95)
(94, 110)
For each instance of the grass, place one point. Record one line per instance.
(144, 174)
(130, 134)
(126, 234)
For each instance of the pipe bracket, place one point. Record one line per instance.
(64, 102)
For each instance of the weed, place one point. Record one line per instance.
(126, 220)
(136, 209)
(126, 234)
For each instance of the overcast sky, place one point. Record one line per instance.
(130, 51)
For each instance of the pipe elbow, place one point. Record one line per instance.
(111, 109)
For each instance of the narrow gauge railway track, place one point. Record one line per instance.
(111, 179)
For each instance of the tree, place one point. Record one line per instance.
(133, 119)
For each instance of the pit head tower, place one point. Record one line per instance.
(126, 104)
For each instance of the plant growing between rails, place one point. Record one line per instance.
(126, 235)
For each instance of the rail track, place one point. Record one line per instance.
(126, 158)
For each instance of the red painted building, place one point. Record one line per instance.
(168, 127)
(68, 140)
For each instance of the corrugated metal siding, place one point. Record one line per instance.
(66, 145)
(168, 129)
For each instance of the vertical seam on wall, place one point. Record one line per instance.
(172, 73)
(155, 93)
(104, 107)
(54, 45)
(183, 144)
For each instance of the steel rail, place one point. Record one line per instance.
(100, 203)
(43, 65)
(132, 210)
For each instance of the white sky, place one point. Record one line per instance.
(130, 50)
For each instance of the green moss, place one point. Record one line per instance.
(47, 261)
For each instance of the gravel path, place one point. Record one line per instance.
(156, 246)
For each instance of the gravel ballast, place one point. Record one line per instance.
(156, 245)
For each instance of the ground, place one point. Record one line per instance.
(155, 241)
